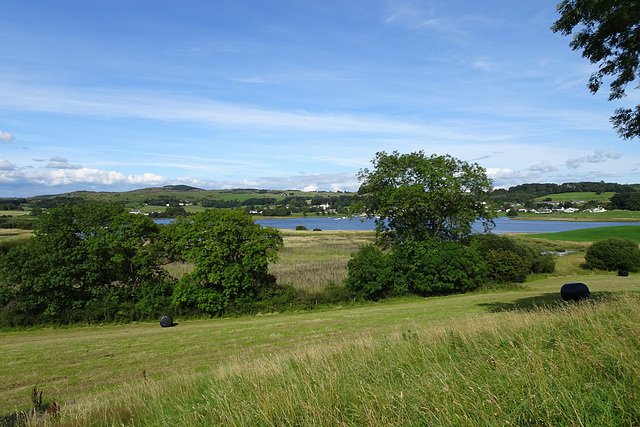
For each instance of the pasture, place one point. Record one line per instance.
(492, 357)
(593, 234)
(584, 196)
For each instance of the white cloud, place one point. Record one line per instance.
(61, 163)
(6, 136)
(5, 165)
(543, 167)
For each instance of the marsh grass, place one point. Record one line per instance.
(568, 364)
(311, 260)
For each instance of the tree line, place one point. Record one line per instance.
(96, 262)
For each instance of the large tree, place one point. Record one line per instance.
(230, 254)
(80, 255)
(608, 34)
(421, 196)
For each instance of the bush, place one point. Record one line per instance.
(434, 266)
(369, 273)
(613, 254)
(545, 263)
(301, 227)
(506, 266)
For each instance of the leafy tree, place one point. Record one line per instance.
(627, 201)
(419, 196)
(608, 34)
(230, 253)
(78, 255)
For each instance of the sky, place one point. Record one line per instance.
(293, 94)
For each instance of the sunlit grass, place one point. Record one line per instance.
(565, 364)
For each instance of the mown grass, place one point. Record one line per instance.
(560, 364)
(593, 234)
(493, 357)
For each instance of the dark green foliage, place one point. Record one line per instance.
(511, 260)
(420, 196)
(607, 32)
(627, 201)
(301, 227)
(370, 275)
(613, 254)
(433, 266)
(231, 255)
(422, 267)
(505, 266)
(544, 263)
(86, 261)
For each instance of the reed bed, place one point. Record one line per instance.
(312, 260)
(571, 364)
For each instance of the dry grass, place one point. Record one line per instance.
(310, 260)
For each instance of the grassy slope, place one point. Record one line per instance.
(577, 196)
(593, 234)
(78, 363)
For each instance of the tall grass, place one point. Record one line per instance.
(309, 260)
(574, 364)
(312, 260)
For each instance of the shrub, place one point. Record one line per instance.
(301, 227)
(369, 273)
(613, 254)
(434, 266)
(544, 263)
(505, 266)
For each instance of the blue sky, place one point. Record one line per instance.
(118, 95)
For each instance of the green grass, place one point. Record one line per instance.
(578, 196)
(593, 234)
(493, 357)
(608, 216)
(473, 359)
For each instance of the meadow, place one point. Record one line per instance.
(494, 357)
(593, 235)
(583, 196)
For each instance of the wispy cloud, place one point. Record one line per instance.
(543, 167)
(599, 156)
(61, 163)
(5, 165)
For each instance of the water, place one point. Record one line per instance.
(503, 225)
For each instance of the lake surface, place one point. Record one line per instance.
(503, 225)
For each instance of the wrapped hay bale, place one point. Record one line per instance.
(166, 321)
(574, 291)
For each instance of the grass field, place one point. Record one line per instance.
(593, 234)
(494, 357)
(608, 216)
(578, 196)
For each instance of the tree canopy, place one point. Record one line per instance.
(421, 196)
(608, 34)
(80, 256)
(230, 254)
